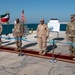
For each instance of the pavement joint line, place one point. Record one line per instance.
(51, 69)
(5, 69)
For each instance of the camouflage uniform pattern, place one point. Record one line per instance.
(0, 33)
(42, 34)
(18, 33)
(70, 32)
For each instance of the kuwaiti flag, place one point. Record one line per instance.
(5, 18)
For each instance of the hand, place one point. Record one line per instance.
(47, 37)
(0, 33)
(21, 34)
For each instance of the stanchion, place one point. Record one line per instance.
(53, 58)
(58, 35)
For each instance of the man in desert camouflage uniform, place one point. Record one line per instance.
(42, 35)
(0, 34)
(70, 32)
(18, 33)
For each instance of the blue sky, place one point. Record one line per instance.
(37, 9)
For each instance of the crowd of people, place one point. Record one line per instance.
(42, 33)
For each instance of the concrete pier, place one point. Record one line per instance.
(12, 64)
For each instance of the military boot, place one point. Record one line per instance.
(19, 48)
(71, 52)
(74, 53)
(40, 52)
(0, 43)
(44, 52)
(16, 49)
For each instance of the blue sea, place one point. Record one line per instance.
(8, 28)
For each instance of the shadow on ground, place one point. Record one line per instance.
(50, 47)
(5, 42)
(10, 43)
(59, 39)
(29, 45)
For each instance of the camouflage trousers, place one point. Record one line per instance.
(0, 41)
(72, 48)
(18, 41)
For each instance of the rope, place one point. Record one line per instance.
(50, 42)
(9, 38)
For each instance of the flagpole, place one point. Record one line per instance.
(22, 20)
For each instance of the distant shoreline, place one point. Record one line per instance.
(46, 23)
(38, 23)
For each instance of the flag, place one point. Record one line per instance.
(23, 19)
(5, 17)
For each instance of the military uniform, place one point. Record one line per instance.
(18, 33)
(70, 32)
(0, 33)
(42, 34)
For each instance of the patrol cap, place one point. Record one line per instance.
(17, 20)
(72, 16)
(41, 20)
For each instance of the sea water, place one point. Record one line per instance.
(7, 28)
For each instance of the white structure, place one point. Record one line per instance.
(54, 25)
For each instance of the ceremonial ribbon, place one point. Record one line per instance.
(50, 42)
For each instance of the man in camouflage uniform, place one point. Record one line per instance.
(18, 33)
(70, 32)
(42, 35)
(0, 34)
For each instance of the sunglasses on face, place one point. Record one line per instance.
(41, 21)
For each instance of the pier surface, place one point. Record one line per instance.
(12, 64)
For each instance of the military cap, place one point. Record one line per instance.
(41, 20)
(72, 16)
(17, 20)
